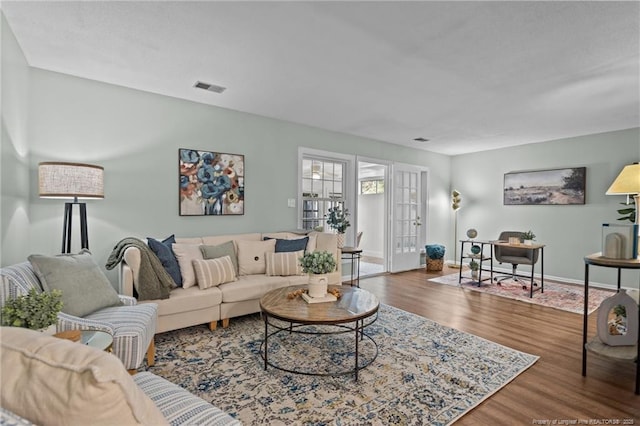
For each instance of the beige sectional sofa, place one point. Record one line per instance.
(200, 304)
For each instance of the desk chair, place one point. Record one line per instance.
(515, 256)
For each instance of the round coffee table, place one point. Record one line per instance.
(351, 313)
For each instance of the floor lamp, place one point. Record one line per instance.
(75, 181)
(455, 205)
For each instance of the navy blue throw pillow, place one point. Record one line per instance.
(290, 245)
(163, 250)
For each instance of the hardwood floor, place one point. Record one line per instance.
(553, 388)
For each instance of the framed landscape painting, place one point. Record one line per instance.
(210, 183)
(556, 186)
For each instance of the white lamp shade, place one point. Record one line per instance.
(70, 180)
(627, 182)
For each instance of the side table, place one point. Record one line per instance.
(354, 254)
(94, 338)
(628, 353)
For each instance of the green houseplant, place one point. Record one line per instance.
(528, 237)
(318, 264)
(338, 220)
(34, 310)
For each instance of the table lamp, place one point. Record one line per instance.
(628, 183)
(75, 181)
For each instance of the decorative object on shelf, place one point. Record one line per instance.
(317, 264)
(474, 266)
(34, 310)
(472, 233)
(434, 256)
(76, 181)
(211, 183)
(528, 237)
(475, 249)
(618, 320)
(619, 241)
(557, 186)
(337, 219)
(514, 241)
(456, 199)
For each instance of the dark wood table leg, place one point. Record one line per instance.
(585, 319)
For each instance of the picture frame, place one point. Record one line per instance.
(210, 183)
(545, 187)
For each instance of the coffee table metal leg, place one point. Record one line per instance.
(266, 337)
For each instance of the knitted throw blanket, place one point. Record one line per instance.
(153, 280)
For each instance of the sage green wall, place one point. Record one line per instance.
(570, 232)
(14, 170)
(136, 135)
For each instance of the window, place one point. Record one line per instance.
(323, 186)
(372, 186)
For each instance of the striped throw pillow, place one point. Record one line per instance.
(213, 272)
(284, 263)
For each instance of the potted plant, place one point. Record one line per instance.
(337, 219)
(528, 237)
(318, 264)
(474, 266)
(34, 310)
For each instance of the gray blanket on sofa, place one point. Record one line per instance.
(153, 280)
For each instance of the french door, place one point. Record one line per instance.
(407, 216)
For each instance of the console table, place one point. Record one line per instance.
(629, 353)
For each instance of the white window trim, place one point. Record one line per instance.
(350, 183)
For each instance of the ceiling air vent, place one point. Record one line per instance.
(209, 87)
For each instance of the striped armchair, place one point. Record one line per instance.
(132, 326)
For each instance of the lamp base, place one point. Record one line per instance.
(66, 227)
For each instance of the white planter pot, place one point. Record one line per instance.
(474, 275)
(318, 284)
(528, 242)
(340, 238)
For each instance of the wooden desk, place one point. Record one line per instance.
(480, 257)
(595, 345)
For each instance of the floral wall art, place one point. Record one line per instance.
(211, 183)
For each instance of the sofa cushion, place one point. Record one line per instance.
(284, 245)
(220, 250)
(58, 381)
(250, 287)
(85, 288)
(219, 239)
(213, 272)
(189, 299)
(251, 256)
(163, 250)
(284, 264)
(186, 254)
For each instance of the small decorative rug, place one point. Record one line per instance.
(567, 297)
(425, 373)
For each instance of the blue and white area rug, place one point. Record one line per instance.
(425, 373)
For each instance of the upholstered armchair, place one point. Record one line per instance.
(132, 326)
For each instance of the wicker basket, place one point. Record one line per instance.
(434, 264)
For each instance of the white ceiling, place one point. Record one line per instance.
(469, 76)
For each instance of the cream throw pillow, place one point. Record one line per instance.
(284, 263)
(186, 254)
(55, 381)
(213, 272)
(251, 256)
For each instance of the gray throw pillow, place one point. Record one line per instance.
(221, 250)
(85, 289)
